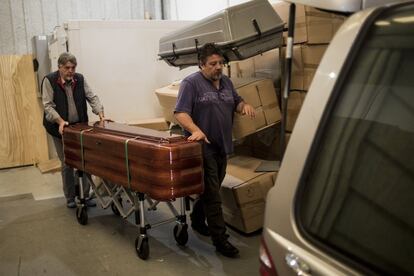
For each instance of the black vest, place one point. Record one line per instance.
(61, 101)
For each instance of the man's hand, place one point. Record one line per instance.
(198, 135)
(101, 116)
(247, 109)
(62, 125)
(185, 121)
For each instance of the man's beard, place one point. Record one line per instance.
(216, 77)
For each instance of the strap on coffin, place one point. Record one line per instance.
(127, 161)
(81, 147)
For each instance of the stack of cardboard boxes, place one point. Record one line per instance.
(261, 94)
(243, 193)
(258, 92)
(314, 29)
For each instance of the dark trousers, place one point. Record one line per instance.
(209, 204)
(68, 175)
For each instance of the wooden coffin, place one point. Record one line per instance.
(160, 165)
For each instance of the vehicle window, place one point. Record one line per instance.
(357, 197)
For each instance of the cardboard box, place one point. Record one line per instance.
(306, 59)
(243, 193)
(248, 91)
(264, 144)
(309, 73)
(321, 26)
(243, 69)
(266, 91)
(295, 102)
(272, 113)
(244, 125)
(246, 219)
(264, 66)
(282, 9)
(312, 25)
(267, 65)
(242, 184)
(154, 123)
(262, 92)
(168, 114)
(312, 55)
(167, 97)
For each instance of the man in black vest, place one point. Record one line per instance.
(64, 95)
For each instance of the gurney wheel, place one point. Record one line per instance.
(181, 238)
(82, 215)
(143, 250)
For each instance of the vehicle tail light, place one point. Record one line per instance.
(267, 268)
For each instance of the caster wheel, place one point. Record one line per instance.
(82, 215)
(181, 238)
(143, 250)
(114, 209)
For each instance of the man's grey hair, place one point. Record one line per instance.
(65, 58)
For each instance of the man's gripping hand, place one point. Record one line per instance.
(62, 125)
(198, 135)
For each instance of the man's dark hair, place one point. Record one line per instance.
(207, 50)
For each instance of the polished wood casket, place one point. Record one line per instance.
(155, 163)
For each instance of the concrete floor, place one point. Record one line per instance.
(40, 236)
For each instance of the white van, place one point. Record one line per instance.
(343, 202)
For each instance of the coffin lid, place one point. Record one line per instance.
(232, 30)
(132, 132)
(344, 6)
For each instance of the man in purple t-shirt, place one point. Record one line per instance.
(205, 108)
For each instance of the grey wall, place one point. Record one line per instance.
(20, 20)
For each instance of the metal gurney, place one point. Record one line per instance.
(146, 165)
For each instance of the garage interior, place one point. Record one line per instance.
(117, 45)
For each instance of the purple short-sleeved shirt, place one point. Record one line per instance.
(211, 109)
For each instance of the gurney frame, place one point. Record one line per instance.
(111, 195)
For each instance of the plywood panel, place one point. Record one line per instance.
(22, 136)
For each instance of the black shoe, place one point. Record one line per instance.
(70, 203)
(90, 202)
(227, 249)
(201, 228)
